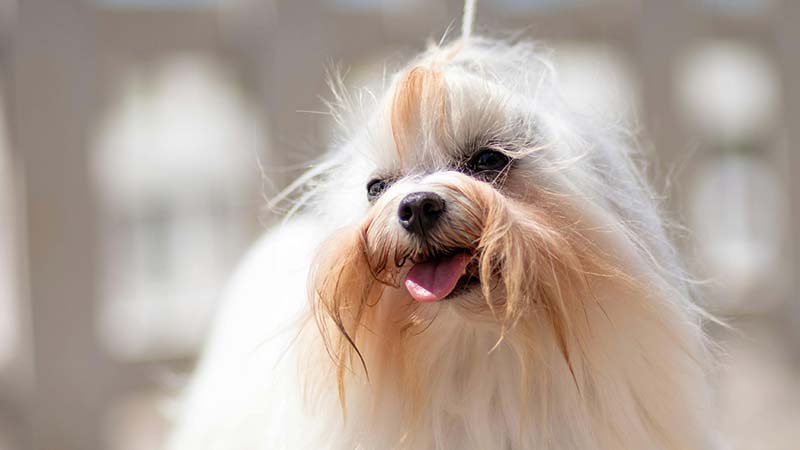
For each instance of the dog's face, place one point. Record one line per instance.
(496, 249)
(455, 167)
(469, 207)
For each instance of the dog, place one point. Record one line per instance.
(474, 266)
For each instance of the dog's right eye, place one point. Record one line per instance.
(375, 188)
(488, 160)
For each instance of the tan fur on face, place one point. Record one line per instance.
(418, 94)
(536, 270)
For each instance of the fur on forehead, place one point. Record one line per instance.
(451, 98)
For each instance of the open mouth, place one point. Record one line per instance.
(441, 277)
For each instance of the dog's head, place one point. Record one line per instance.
(470, 191)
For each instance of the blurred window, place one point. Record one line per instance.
(176, 169)
(728, 89)
(582, 67)
(729, 92)
(738, 214)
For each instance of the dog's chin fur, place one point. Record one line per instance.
(576, 330)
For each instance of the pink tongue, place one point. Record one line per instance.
(434, 280)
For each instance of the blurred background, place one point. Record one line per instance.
(139, 138)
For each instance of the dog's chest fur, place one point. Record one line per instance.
(462, 393)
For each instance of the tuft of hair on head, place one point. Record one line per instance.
(420, 93)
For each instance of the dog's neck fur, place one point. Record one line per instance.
(454, 386)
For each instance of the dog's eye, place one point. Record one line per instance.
(375, 188)
(488, 160)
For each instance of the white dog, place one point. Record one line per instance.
(474, 267)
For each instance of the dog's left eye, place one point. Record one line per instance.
(488, 160)
(375, 188)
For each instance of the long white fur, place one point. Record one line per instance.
(646, 358)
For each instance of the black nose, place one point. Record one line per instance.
(419, 211)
